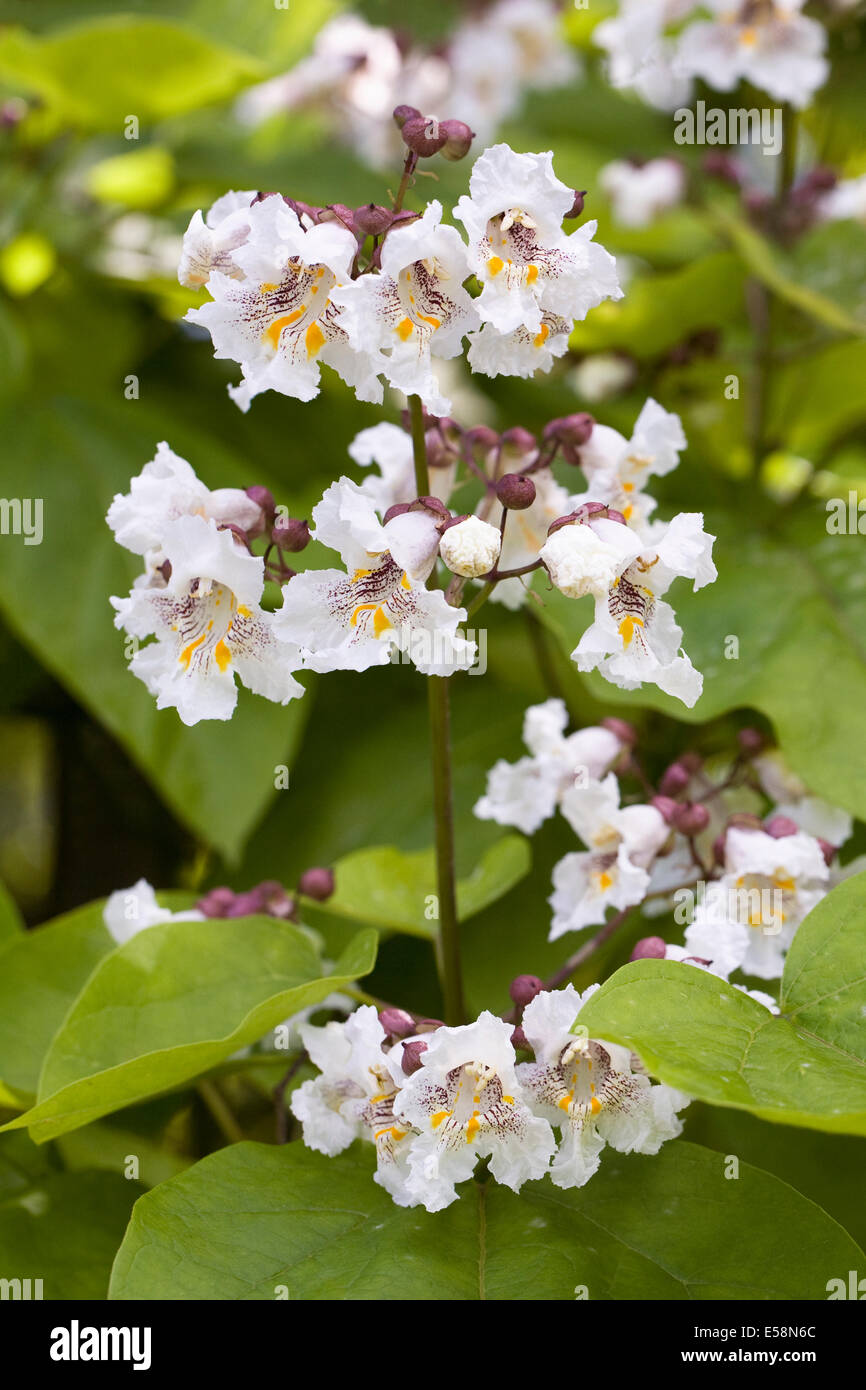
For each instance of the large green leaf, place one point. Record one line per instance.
(694, 1031)
(217, 778)
(97, 73)
(42, 973)
(251, 1220)
(393, 889)
(795, 605)
(62, 1228)
(172, 1003)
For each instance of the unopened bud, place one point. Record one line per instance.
(666, 807)
(674, 779)
(402, 114)
(576, 209)
(515, 491)
(751, 741)
(423, 135)
(570, 429)
(216, 903)
(291, 534)
(519, 440)
(625, 732)
(482, 437)
(317, 884)
(396, 1022)
(372, 220)
(264, 498)
(828, 851)
(523, 989)
(412, 1053)
(470, 547)
(649, 948)
(691, 819)
(780, 827)
(458, 140)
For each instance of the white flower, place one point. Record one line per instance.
(352, 621)
(523, 352)
(639, 192)
(415, 309)
(390, 448)
(635, 636)
(612, 871)
(792, 799)
(847, 199)
(466, 1103)
(165, 489)
(354, 1097)
(526, 264)
(602, 375)
(208, 625)
(526, 793)
(470, 547)
(130, 910)
(587, 557)
(209, 242)
(617, 469)
(279, 321)
(639, 54)
(748, 919)
(770, 44)
(594, 1090)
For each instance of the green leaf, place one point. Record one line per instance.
(96, 73)
(11, 921)
(700, 1034)
(42, 973)
(392, 888)
(62, 1228)
(173, 1002)
(217, 778)
(252, 1220)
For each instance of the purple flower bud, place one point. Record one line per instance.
(523, 989)
(519, 1039)
(317, 884)
(216, 903)
(246, 904)
(674, 779)
(459, 137)
(692, 818)
(372, 220)
(424, 135)
(402, 114)
(614, 515)
(482, 437)
(264, 498)
(576, 209)
(780, 827)
(520, 441)
(338, 212)
(291, 534)
(666, 807)
(515, 491)
(751, 741)
(828, 850)
(396, 1022)
(411, 1059)
(625, 732)
(570, 429)
(649, 948)
(275, 901)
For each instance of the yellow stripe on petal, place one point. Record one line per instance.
(314, 339)
(186, 655)
(223, 655)
(626, 629)
(405, 329)
(494, 265)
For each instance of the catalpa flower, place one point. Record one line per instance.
(635, 637)
(352, 621)
(209, 242)
(390, 448)
(208, 626)
(526, 264)
(640, 55)
(596, 1091)
(354, 1098)
(769, 43)
(768, 886)
(131, 910)
(789, 792)
(522, 352)
(466, 1103)
(617, 469)
(166, 488)
(640, 192)
(416, 309)
(612, 872)
(524, 794)
(588, 556)
(279, 321)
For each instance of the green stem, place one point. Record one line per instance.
(788, 155)
(448, 936)
(220, 1112)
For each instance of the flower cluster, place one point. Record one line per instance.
(434, 1100)
(357, 72)
(375, 293)
(659, 47)
(741, 882)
